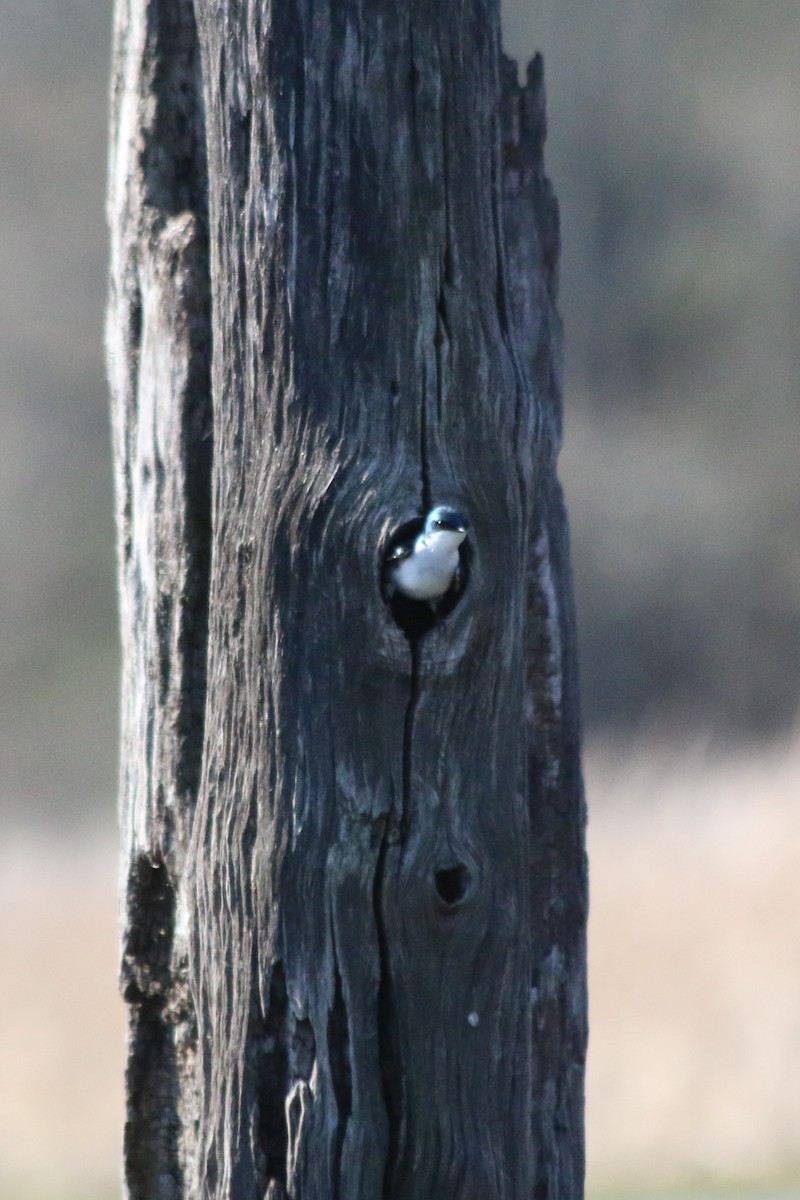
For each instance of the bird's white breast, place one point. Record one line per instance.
(428, 572)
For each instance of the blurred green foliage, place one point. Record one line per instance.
(672, 149)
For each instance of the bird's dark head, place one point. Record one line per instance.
(445, 518)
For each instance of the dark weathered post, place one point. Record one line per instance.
(353, 859)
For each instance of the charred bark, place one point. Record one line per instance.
(353, 945)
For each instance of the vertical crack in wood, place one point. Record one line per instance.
(387, 1036)
(268, 1040)
(152, 1125)
(175, 177)
(396, 829)
(406, 812)
(400, 825)
(339, 1052)
(390, 1066)
(440, 341)
(198, 451)
(425, 479)
(172, 158)
(441, 336)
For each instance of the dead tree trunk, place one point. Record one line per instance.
(355, 890)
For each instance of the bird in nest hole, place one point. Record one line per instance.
(428, 566)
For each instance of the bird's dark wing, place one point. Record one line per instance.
(399, 551)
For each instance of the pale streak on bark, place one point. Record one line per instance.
(158, 366)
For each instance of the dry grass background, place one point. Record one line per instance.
(695, 986)
(61, 1021)
(695, 968)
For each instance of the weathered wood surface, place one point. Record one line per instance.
(354, 871)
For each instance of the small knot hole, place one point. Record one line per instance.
(452, 884)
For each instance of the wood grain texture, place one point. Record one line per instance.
(354, 936)
(159, 343)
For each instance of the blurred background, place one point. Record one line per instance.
(675, 152)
